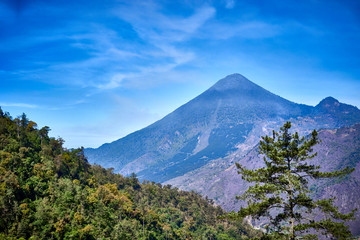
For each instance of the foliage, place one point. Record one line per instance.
(281, 193)
(49, 192)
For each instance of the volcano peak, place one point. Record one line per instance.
(234, 81)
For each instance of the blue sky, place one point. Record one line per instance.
(95, 71)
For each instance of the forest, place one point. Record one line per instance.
(50, 192)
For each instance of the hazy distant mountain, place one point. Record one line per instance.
(228, 118)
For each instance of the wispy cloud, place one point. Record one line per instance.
(230, 4)
(110, 58)
(105, 58)
(114, 82)
(20, 105)
(163, 34)
(152, 25)
(251, 29)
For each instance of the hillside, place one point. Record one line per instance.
(338, 148)
(49, 192)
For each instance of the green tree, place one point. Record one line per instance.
(50, 192)
(281, 194)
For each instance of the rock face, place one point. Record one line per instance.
(195, 146)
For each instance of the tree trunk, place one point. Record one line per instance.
(292, 233)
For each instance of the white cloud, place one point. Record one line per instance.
(101, 69)
(152, 25)
(163, 35)
(20, 105)
(109, 56)
(245, 30)
(113, 83)
(230, 4)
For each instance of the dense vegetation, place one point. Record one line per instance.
(49, 192)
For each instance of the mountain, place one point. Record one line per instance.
(195, 147)
(227, 119)
(205, 128)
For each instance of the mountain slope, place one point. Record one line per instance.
(338, 148)
(228, 117)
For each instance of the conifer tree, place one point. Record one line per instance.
(281, 194)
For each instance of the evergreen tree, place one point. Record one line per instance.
(281, 190)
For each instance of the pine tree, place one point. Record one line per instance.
(281, 190)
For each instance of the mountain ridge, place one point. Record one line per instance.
(221, 85)
(211, 126)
